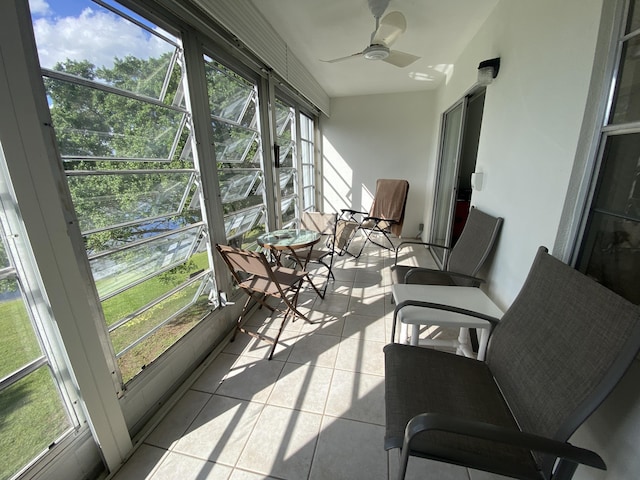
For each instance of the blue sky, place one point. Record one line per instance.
(62, 8)
(83, 30)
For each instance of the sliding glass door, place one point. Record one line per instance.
(450, 148)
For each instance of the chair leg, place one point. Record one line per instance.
(404, 461)
(239, 321)
(275, 340)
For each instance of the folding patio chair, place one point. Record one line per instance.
(321, 253)
(386, 215)
(260, 281)
(554, 356)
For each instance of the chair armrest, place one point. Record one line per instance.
(352, 212)
(474, 281)
(441, 422)
(417, 242)
(437, 306)
(380, 219)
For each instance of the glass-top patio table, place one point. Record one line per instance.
(289, 240)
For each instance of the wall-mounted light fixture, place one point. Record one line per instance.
(488, 70)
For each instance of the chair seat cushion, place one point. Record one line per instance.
(421, 380)
(424, 276)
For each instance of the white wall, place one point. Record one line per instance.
(532, 118)
(378, 136)
(528, 147)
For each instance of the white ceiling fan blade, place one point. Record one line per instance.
(400, 59)
(359, 54)
(391, 27)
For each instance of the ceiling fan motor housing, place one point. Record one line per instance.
(376, 52)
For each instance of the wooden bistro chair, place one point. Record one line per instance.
(554, 356)
(261, 281)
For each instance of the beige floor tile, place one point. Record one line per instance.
(365, 327)
(332, 303)
(356, 396)
(349, 450)
(302, 387)
(324, 323)
(212, 377)
(177, 421)
(220, 431)
(421, 468)
(244, 475)
(369, 304)
(369, 277)
(344, 274)
(142, 464)
(264, 319)
(249, 346)
(251, 379)
(182, 466)
(282, 443)
(358, 355)
(340, 287)
(315, 349)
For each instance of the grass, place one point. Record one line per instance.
(32, 416)
(31, 413)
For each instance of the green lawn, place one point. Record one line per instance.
(31, 414)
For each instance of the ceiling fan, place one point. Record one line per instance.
(388, 30)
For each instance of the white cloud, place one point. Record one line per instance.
(39, 7)
(95, 36)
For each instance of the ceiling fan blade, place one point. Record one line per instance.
(400, 59)
(378, 7)
(335, 60)
(391, 27)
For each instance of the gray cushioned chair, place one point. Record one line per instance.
(463, 261)
(552, 359)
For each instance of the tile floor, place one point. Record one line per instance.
(316, 411)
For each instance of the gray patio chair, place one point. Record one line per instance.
(554, 356)
(463, 261)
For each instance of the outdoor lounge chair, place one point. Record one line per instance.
(555, 355)
(386, 215)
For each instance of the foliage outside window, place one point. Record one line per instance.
(124, 135)
(235, 121)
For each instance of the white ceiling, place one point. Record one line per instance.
(315, 30)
